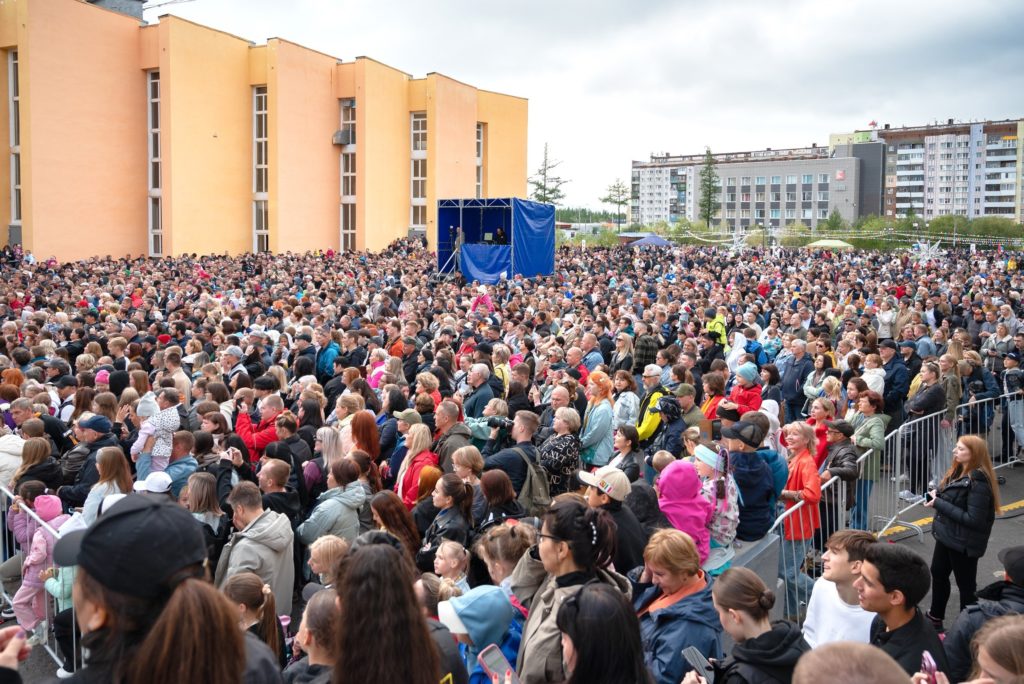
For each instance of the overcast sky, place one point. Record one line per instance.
(614, 81)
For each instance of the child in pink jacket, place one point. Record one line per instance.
(30, 601)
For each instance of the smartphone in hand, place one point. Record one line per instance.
(495, 663)
(700, 664)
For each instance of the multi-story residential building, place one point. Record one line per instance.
(970, 169)
(173, 137)
(770, 188)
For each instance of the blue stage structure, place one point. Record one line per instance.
(468, 238)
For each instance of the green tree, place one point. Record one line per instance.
(708, 188)
(547, 187)
(795, 235)
(834, 223)
(618, 196)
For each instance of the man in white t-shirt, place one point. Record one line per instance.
(834, 613)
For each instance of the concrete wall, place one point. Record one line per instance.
(304, 170)
(207, 149)
(83, 123)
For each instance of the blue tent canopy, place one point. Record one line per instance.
(651, 240)
(472, 226)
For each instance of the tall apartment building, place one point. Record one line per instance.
(970, 169)
(771, 188)
(174, 137)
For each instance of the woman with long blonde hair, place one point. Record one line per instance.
(966, 502)
(417, 456)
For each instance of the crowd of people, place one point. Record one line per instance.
(333, 467)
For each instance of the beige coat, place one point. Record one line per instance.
(540, 651)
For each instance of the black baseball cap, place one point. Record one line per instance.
(136, 546)
(748, 433)
(1012, 559)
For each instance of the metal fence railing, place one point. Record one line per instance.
(920, 451)
(59, 609)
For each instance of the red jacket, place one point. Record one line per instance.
(803, 477)
(256, 439)
(409, 486)
(746, 398)
(821, 434)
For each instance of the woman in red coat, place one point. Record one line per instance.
(803, 485)
(417, 456)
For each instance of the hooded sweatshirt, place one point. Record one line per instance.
(769, 657)
(264, 547)
(490, 618)
(684, 506)
(336, 512)
(40, 553)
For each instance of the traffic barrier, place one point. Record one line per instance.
(12, 552)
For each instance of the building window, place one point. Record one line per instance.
(776, 213)
(791, 196)
(759, 180)
(155, 217)
(260, 226)
(808, 213)
(806, 195)
(822, 178)
(14, 111)
(730, 182)
(776, 180)
(823, 195)
(808, 178)
(776, 196)
(260, 172)
(823, 213)
(481, 139)
(419, 132)
(348, 227)
(791, 213)
(759, 197)
(791, 179)
(418, 193)
(347, 212)
(745, 180)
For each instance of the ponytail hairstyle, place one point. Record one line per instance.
(249, 590)
(590, 532)
(461, 494)
(367, 468)
(722, 472)
(742, 590)
(144, 638)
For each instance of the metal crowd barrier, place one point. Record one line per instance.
(11, 549)
(918, 454)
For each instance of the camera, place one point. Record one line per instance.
(499, 422)
(976, 387)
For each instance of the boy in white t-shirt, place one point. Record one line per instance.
(834, 613)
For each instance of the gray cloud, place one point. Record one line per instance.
(612, 82)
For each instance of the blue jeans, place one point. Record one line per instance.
(859, 514)
(798, 585)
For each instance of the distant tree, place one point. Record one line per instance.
(547, 187)
(582, 215)
(618, 196)
(834, 223)
(708, 188)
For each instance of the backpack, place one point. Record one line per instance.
(535, 496)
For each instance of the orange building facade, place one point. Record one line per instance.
(173, 138)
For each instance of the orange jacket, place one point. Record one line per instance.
(803, 477)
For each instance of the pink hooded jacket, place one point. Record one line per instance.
(39, 555)
(684, 506)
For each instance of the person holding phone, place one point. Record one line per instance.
(966, 502)
(764, 651)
